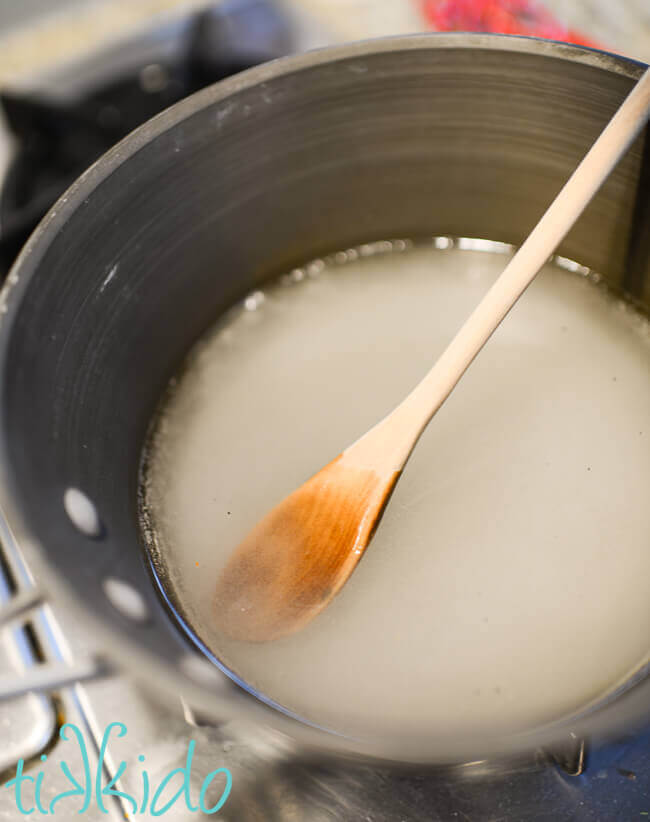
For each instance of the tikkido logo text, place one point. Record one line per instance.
(87, 786)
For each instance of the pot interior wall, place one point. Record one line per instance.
(225, 192)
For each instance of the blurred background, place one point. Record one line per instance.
(35, 34)
(78, 75)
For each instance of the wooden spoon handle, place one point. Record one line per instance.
(397, 434)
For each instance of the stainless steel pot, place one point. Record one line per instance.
(466, 135)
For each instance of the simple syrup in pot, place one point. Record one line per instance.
(508, 582)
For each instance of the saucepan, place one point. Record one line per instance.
(459, 135)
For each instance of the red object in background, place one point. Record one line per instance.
(500, 16)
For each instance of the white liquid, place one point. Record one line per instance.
(509, 581)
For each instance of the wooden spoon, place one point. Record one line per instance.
(301, 553)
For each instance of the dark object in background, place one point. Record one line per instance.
(58, 141)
